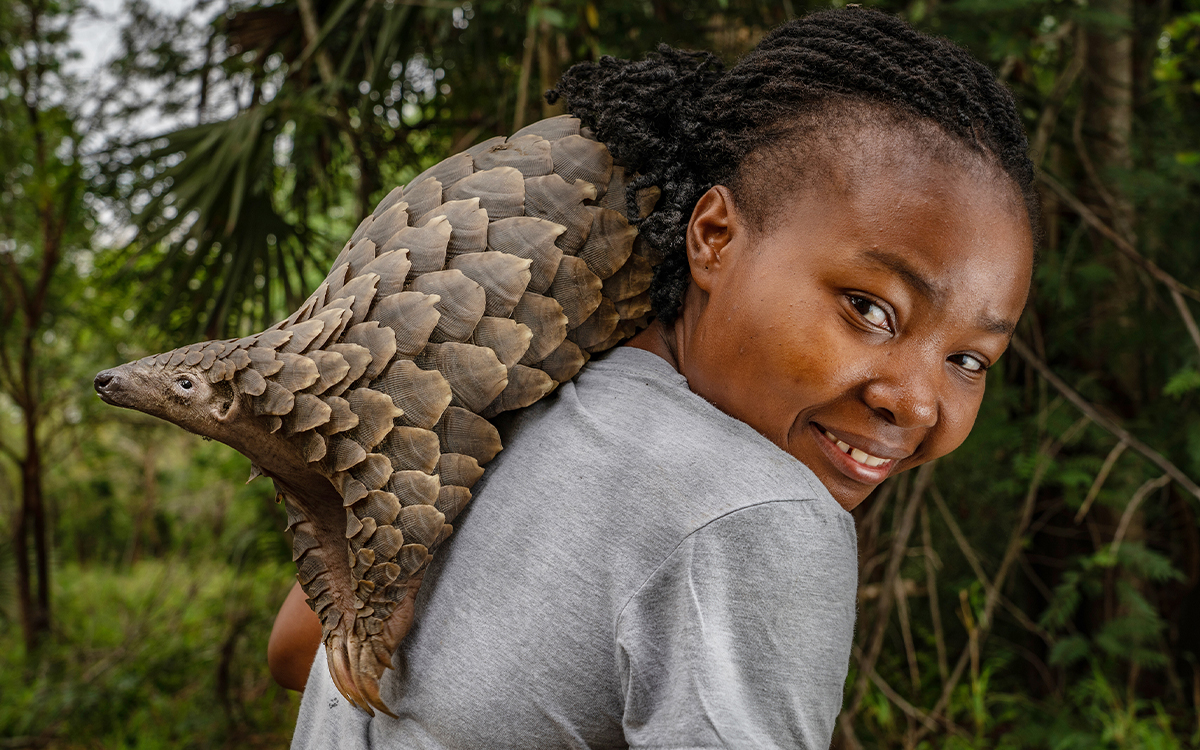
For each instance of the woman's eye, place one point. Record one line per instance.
(969, 363)
(871, 312)
(185, 384)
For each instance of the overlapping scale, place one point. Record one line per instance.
(577, 158)
(503, 277)
(529, 154)
(504, 336)
(561, 202)
(547, 323)
(461, 303)
(462, 431)
(576, 289)
(476, 376)
(500, 190)
(425, 246)
(531, 238)
(468, 225)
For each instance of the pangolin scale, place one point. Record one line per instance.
(473, 290)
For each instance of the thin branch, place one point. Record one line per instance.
(1142, 492)
(973, 560)
(1038, 583)
(929, 722)
(1032, 658)
(1089, 167)
(910, 648)
(523, 81)
(312, 31)
(1186, 314)
(935, 612)
(1015, 543)
(1022, 349)
(887, 589)
(1094, 491)
(869, 529)
(1054, 101)
(1118, 241)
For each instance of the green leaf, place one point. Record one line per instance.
(1064, 603)
(1183, 382)
(1069, 650)
(1147, 563)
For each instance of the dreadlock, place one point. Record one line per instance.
(684, 124)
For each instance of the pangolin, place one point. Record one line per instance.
(473, 290)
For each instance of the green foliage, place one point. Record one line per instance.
(295, 141)
(1183, 382)
(165, 654)
(168, 570)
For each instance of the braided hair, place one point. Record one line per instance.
(684, 124)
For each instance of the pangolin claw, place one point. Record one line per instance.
(359, 686)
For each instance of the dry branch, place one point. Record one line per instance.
(898, 552)
(1054, 102)
(1147, 487)
(1022, 349)
(1101, 477)
(1186, 314)
(935, 612)
(973, 560)
(930, 723)
(1118, 241)
(979, 632)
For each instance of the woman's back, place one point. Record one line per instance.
(636, 567)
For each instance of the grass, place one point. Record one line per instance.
(162, 654)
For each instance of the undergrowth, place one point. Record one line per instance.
(164, 654)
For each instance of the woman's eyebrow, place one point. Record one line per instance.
(899, 265)
(996, 325)
(932, 293)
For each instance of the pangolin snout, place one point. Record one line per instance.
(107, 384)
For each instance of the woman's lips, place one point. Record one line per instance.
(854, 462)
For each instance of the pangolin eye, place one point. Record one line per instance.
(185, 384)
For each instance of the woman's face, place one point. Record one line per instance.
(856, 329)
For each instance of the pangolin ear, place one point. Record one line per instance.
(224, 398)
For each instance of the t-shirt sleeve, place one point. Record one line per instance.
(741, 637)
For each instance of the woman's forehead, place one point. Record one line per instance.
(937, 227)
(852, 150)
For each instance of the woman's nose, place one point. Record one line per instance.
(905, 392)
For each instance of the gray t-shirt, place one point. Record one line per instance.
(636, 569)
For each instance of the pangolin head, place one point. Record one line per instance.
(360, 541)
(182, 394)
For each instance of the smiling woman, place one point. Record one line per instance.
(662, 555)
(855, 330)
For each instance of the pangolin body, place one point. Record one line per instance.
(474, 290)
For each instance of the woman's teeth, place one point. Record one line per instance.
(862, 457)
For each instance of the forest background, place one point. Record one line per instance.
(1039, 588)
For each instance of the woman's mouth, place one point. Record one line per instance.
(861, 456)
(854, 462)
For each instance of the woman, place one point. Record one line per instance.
(662, 556)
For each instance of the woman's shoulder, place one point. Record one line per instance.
(629, 437)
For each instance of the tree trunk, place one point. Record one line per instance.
(1108, 107)
(31, 523)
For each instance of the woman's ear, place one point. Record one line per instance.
(711, 231)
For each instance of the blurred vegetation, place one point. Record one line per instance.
(1039, 588)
